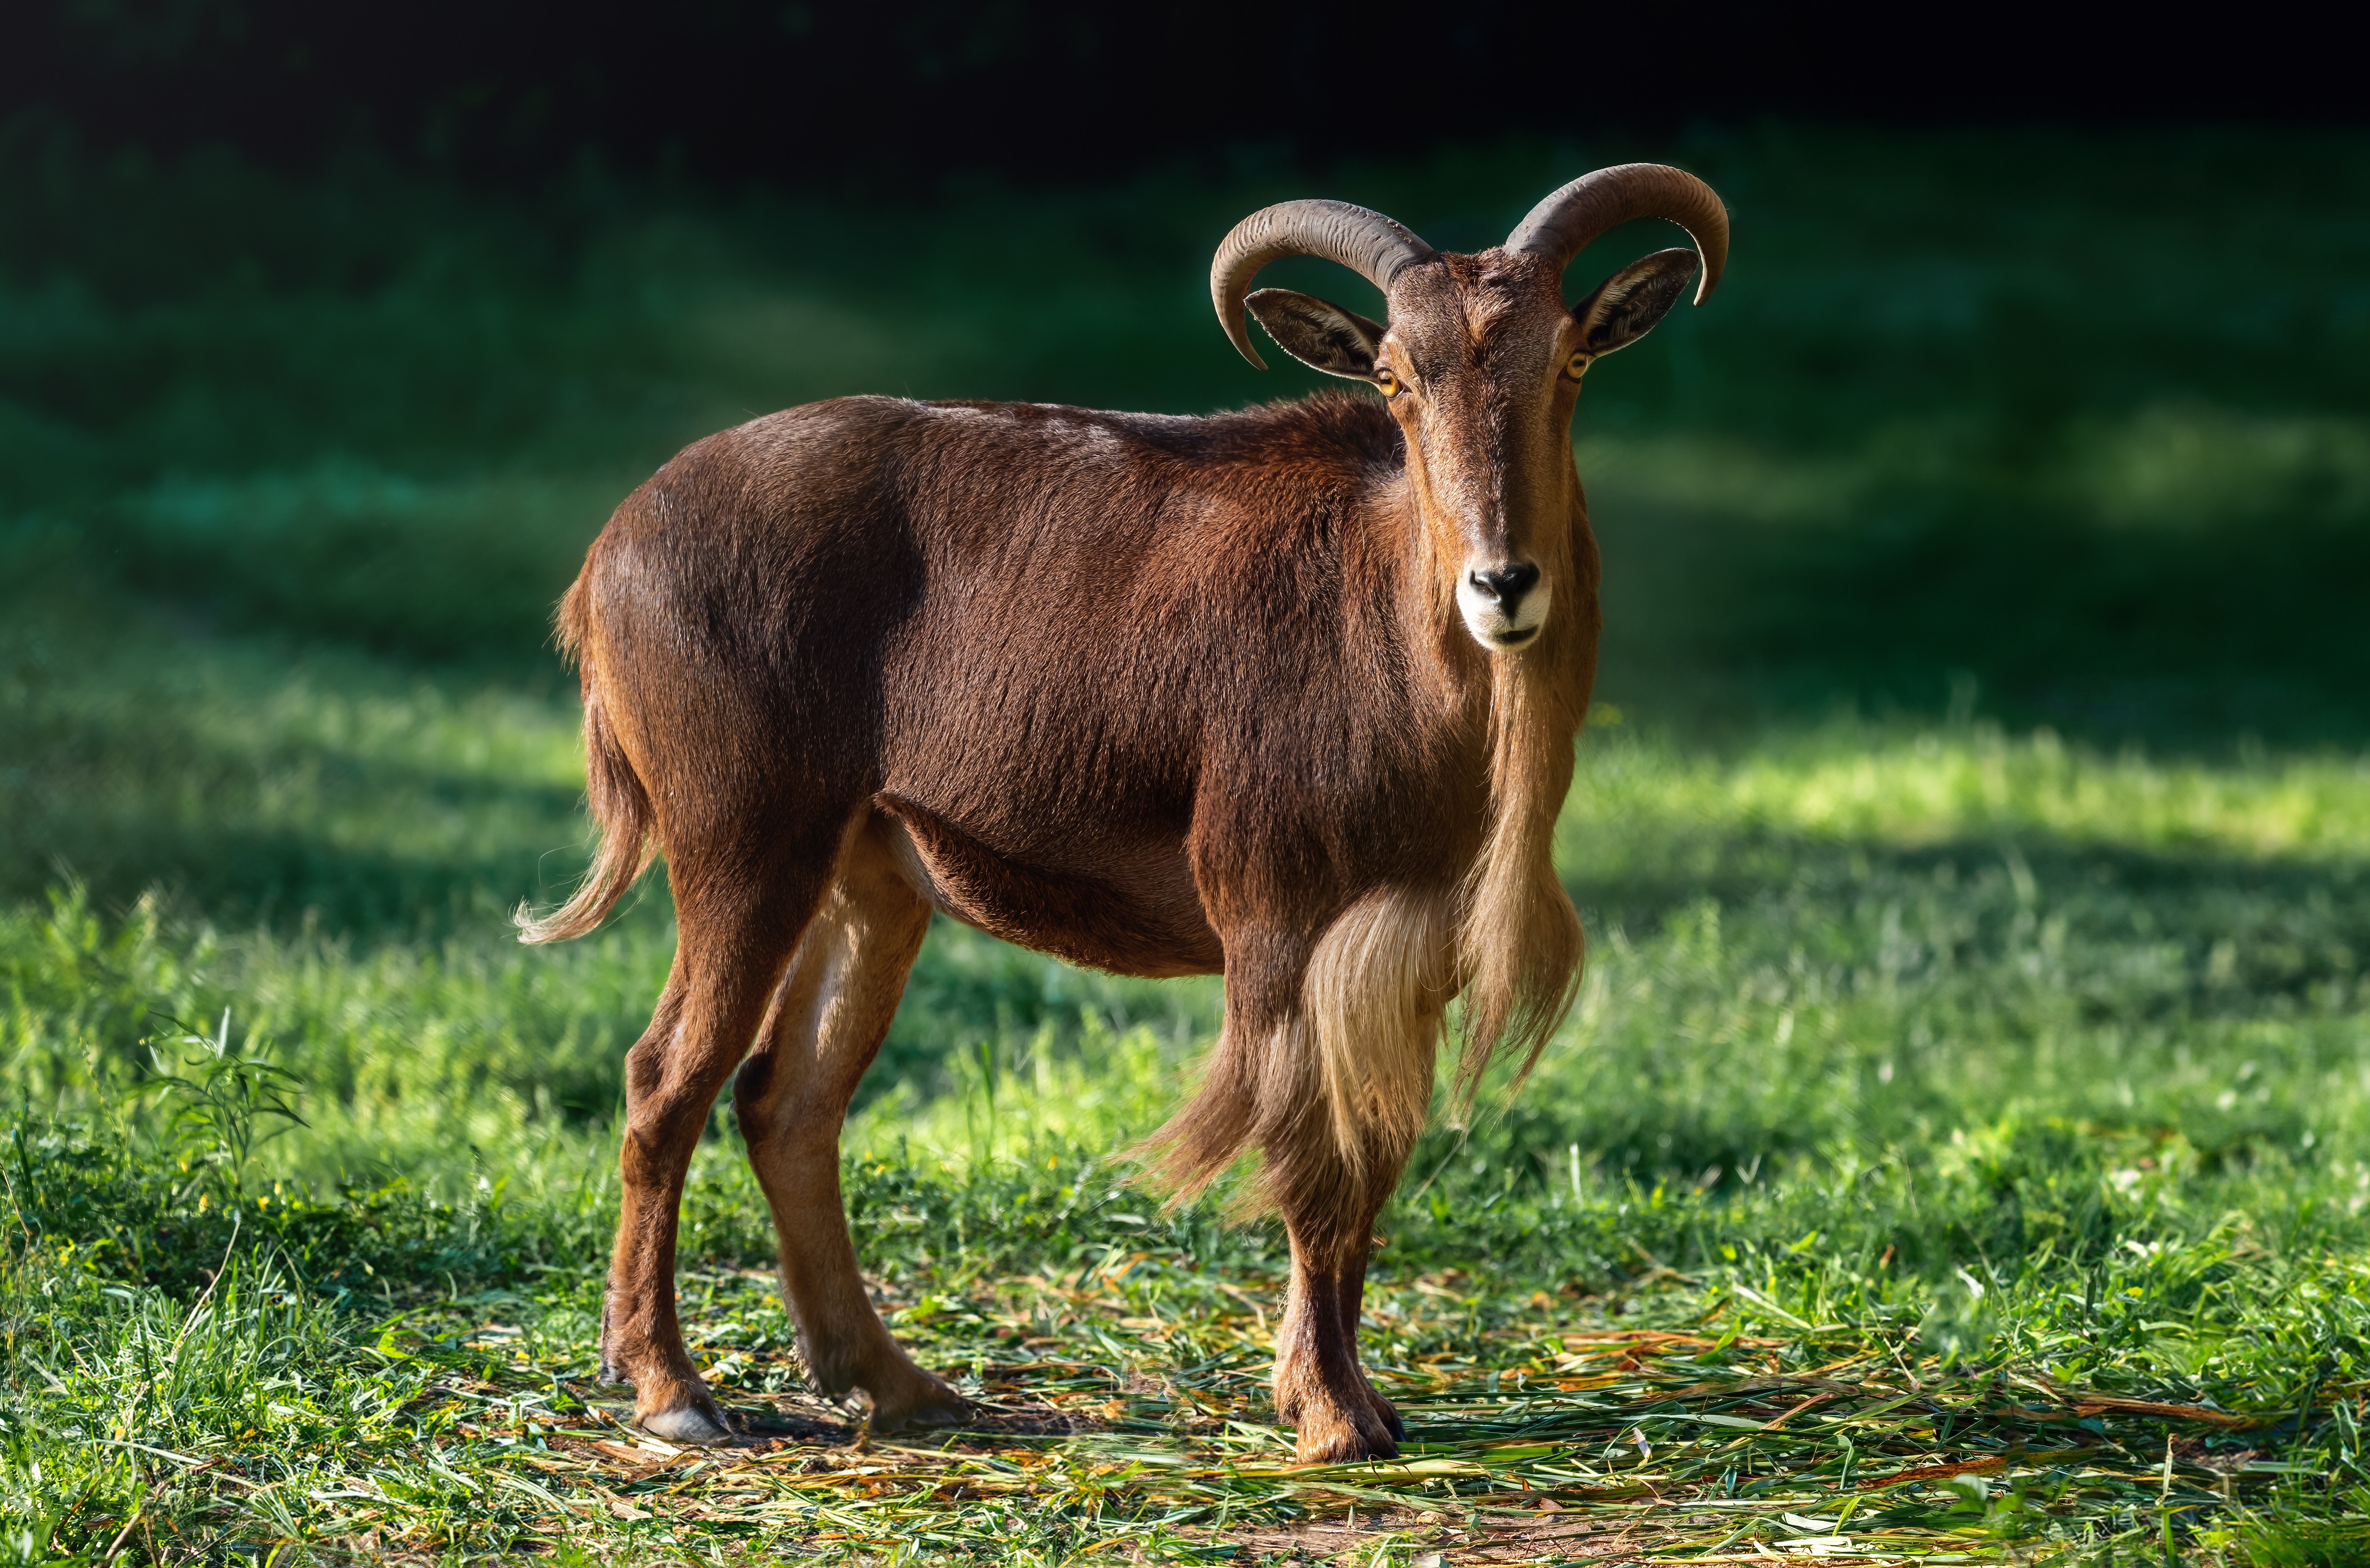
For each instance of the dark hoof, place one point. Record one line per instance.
(931, 1404)
(1348, 1432)
(690, 1426)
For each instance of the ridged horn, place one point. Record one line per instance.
(1370, 244)
(1564, 224)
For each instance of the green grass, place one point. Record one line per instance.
(1974, 847)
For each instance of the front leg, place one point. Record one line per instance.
(1331, 1169)
(1320, 1390)
(1352, 1290)
(1326, 1064)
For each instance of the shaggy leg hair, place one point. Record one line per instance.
(1325, 1064)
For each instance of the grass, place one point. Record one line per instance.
(1959, 1151)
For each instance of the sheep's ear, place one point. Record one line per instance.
(1627, 305)
(1317, 333)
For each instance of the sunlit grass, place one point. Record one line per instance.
(1906, 787)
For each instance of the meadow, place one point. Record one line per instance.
(1960, 1148)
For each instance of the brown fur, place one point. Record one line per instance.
(1160, 695)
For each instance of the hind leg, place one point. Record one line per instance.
(737, 919)
(829, 1018)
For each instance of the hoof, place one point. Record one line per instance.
(1342, 1445)
(1344, 1424)
(929, 1403)
(690, 1426)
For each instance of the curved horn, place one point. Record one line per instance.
(1564, 222)
(1370, 244)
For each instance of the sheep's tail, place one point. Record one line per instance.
(621, 807)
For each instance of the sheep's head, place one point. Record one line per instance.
(1481, 360)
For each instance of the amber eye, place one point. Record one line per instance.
(1387, 381)
(1576, 366)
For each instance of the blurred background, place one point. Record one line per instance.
(2004, 521)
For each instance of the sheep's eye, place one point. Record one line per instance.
(1577, 365)
(1387, 381)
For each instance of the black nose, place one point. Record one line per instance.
(1507, 584)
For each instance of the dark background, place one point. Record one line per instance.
(826, 93)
